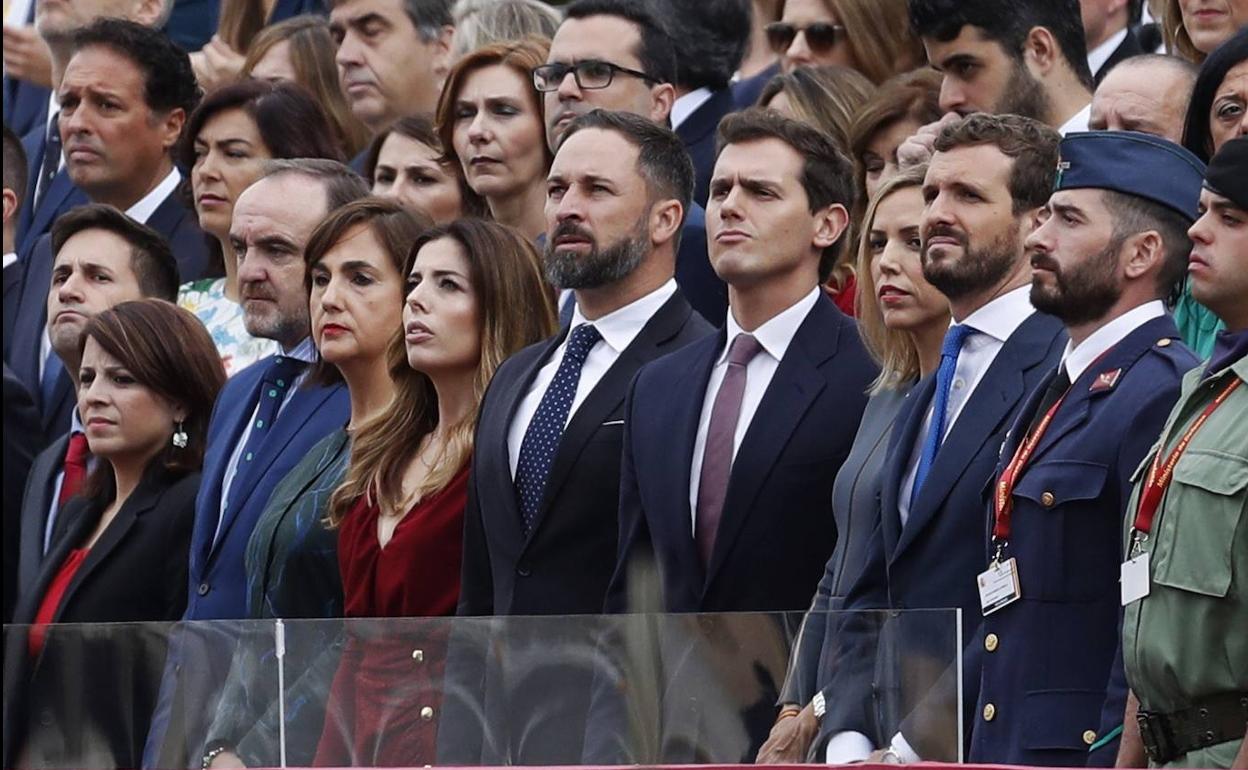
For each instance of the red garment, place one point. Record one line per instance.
(844, 297)
(75, 467)
(52, 599)
(386, 698)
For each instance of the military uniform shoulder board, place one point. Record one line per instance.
(1105, 381)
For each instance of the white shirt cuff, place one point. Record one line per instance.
(904, 750)
(847, 747)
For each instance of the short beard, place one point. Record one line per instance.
(1024, 95)
(1082, 294)
(600, 267)
(978, 269)
(286, 331)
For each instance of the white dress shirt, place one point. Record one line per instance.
(1078, 358)
(618, 329)
(304, 351)
(140, 212)
(1078, 122)
(1099, 55)
(993, 323)
(688, 104)
(774, 336)
(9, 258)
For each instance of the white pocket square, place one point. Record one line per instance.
(612, 422)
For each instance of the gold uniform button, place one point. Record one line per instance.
(426, 713)
(418, 656)
(990, 712)
(1164, 342)
(1047, 499)
(1089, 737)
(990, 642)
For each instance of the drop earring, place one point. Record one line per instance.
(179, 436)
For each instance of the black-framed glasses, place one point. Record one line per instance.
(820, 36)
(590, 74)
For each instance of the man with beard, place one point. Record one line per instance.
(541, 525)
(1027, 57)
(985, 186)
(1112, 247)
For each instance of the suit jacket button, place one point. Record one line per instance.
(523, 571)
(1089, 737)
(990, 642)
(45, 718)
(418, 656)
(203, 589)
(426, 713)
(1047, 499)
(990, 712)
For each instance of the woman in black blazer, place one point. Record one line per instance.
(82, 695)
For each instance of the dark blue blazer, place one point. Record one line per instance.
(697, 132)
(932, 562)
(776, 531)
(193, 22)
(25, 105)
(1053, 649)
(745, 92)
(62, 195)
(704, 290)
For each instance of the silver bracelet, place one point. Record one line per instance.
(211, 755)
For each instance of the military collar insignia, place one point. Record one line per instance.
(1105, 381)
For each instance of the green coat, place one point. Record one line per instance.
(1186, 639)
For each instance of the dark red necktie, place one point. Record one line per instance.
(75, 467)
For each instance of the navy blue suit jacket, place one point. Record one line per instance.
(932, 561)
(62, 195)
(704, 290)
(1049, 671)
(745, 92)
(697, 132)
(25, 105)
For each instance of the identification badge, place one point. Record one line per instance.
(1135, 579)
(998, 586)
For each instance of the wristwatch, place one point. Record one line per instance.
(819, 705)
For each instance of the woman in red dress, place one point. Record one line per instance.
(401, 505)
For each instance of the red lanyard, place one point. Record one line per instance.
(1160, 474)
(1009, 477)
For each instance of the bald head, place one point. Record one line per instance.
(1146, 93)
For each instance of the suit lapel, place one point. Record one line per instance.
(221, 444)
(901, 447)
(705, 119)
(63, 390)
(60, 190)
(793, 388)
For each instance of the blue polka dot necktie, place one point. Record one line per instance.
(276, 382)
(541, 439)
(949, 351)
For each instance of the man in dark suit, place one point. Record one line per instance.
(103, 258)
(118, 158)
(624, 40)
(1112, 250)
(14, 194)
(541, 526)
(1110, 35)
(21, 420)
(984, 188)
(712, 35)
(264, 421)
(731, 444)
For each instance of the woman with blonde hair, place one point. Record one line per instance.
(301, 50)
(400, 508)
(871, 36)
(902, 320)
(481, 22)
(491, 121)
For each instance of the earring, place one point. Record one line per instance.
(179, 436)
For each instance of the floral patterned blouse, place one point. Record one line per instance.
(223, 318)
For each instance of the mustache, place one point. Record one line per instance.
(257, 290)
(570, 228)
(1045, 262)
(945, 231)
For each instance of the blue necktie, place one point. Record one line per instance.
(51, 162)
(273, 387)
(541, 439)
(52, 369)
(949, 350)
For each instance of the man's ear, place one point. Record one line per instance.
(10, 204)
(662, 97)
(830, 224)
(665, 221)
(1041, 51)
(171, 127)
(442, 47)
(149, 12)
(1146, 252)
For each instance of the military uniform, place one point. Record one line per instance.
(1187, 640)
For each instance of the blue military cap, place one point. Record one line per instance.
(1228, 172)
(1132, 163)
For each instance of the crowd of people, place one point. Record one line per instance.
(421, 308)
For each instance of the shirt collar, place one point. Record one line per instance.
(776, 334)
(1001, 317)
(1078, 122)
(619, 327)
(1229, 348)
(1099, 55)
(1078, 358)
(688, 104)
(75, 422)
(305, 351)
(9, 258)
(147, 205)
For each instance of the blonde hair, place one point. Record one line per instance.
(1178, 42)
(892, 349)
(481, 22)
(506, 276)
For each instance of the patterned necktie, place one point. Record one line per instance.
(541, 438)
(75, 467)
(1057, 388)
(717, 457)
(273, 388)
(949, 351)
(51, 159)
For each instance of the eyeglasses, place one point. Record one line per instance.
(821, 36)
(590, 74)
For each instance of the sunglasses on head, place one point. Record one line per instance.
(820, 36)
